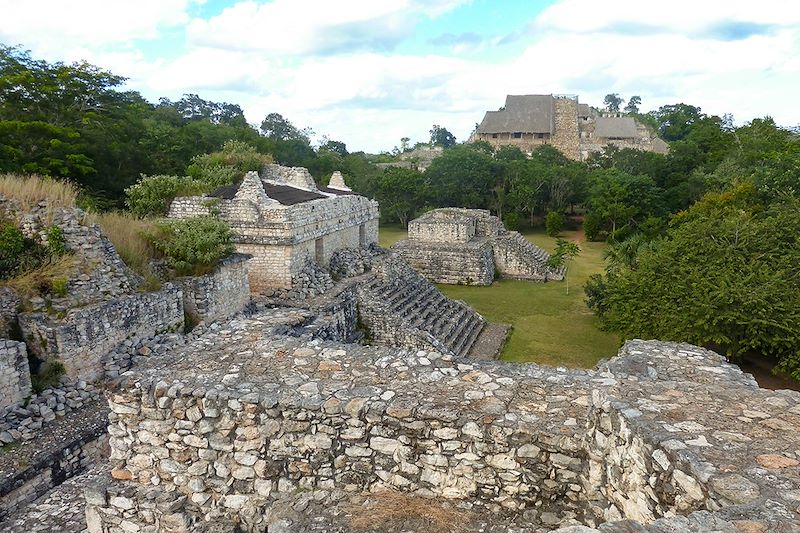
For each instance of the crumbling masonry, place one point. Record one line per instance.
(469, 247)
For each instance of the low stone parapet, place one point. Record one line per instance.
(81, 339)
(220, 294)
(262, 416)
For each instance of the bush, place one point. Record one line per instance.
(19, 254)
(58, 286)
(591, 226)
(151, 195)
(554, 223)
(512, 221)
(722, 275)
(228, 165)
(56, 244)
(193, 246)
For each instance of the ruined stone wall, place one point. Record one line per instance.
(467, 264)
(566, 136)
(56, 462)
(517, 258)
(218, 295)
(528, 142)
(85, 335)
(663, 429)
(270, 266)
(15, 375)
(235, 450)
(280, 239)
(442, 229)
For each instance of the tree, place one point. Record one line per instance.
(441, 137)
(633, 104)
(463, 176)
(336, 147)
(276, 127)
(726, 274)
(400, 192)
(612, 102)
(404, 144)
(564, 253)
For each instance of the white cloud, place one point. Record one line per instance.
(307, 61)
(61, 28)
(678, 16)
(301, 27)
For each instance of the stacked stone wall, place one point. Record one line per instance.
(517, 258)
(450, 230)
(468, 264)
(49, 469)
(234, 433)
(218, 295)
(566, 137)
(15, 375)
(84, 336)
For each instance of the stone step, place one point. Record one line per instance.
(458, 336)
(468, 340)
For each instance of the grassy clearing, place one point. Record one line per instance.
(30, 190)
(390, 234)
(550, 326)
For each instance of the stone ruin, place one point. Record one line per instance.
(470, 247)
(281, 411)
(283, 219)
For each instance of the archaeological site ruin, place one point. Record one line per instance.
(327, 385)
(471, 247)
(577, 130)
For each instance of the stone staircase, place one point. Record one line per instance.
(401, 308)
(517, 257)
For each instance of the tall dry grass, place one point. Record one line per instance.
(395, 511)
(28, 191)
(40, 280)
(126, 233)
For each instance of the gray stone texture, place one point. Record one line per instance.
(218, 295)
(228, 432)
(82, 338)
(15, 375)
(468, 246)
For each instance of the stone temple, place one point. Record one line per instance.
(576, 129)
(471, 247)
(283, 220)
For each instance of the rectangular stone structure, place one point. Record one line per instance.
(15, 375)
(220, 294)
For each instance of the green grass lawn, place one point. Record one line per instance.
(550, 326)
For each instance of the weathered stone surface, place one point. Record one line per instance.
(581, 446)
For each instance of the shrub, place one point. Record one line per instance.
(49, 375)
(554, 223)
(151, 195)
(58, 286)
(56, 244)
(512, 221)
(192, 246)
(12, 243)
(18, 254)
(591, 226)
(236, 154)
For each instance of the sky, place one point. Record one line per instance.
(369, 72)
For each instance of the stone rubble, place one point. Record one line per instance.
(240, 418)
